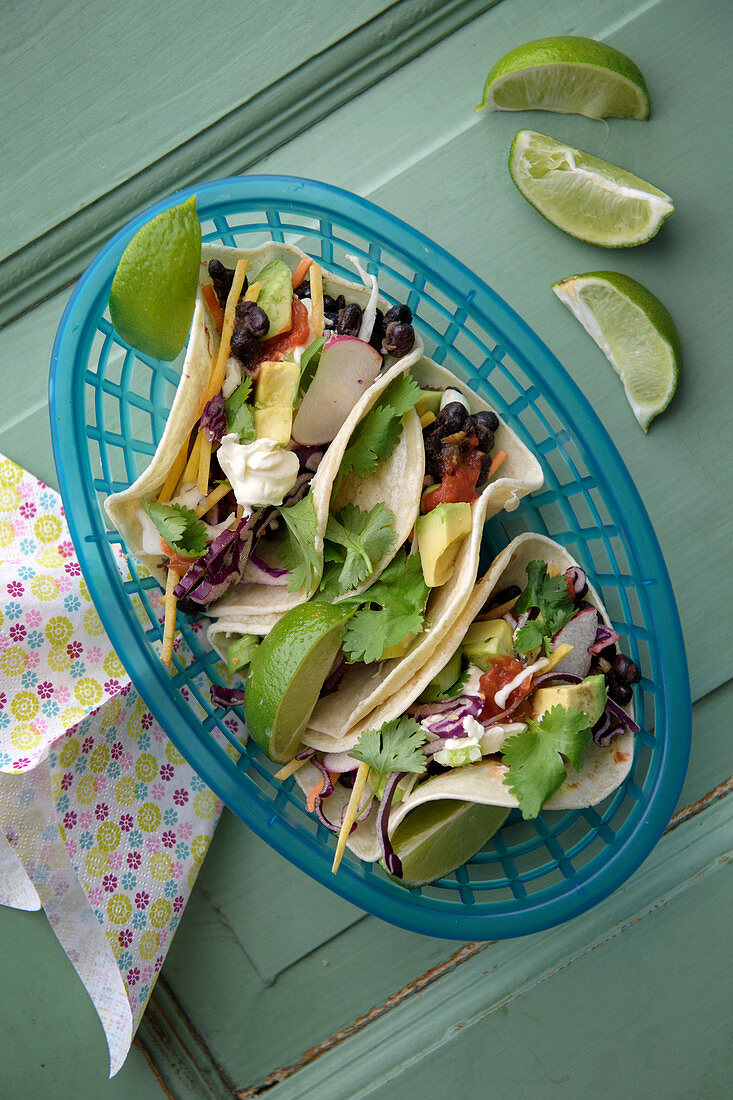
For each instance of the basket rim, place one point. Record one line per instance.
(356, 882)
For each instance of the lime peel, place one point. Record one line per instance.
(586, 197)
(635, 332)
(569, 74)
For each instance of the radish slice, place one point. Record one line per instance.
(580, 633)
(347, 368)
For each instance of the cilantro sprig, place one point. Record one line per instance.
(240, 417)
(395, 747)
(180, 527)
(389, 609)
(309, 360)
(364, 536)
(376, 436)
(536, 756)
(297, 551)
(550, 595)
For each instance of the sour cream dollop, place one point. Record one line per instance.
(260, 473)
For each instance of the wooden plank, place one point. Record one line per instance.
(258, 116)
(51, 1040)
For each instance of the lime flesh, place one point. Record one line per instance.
(287, 674)
(437, 837)
(585, 196)
(635, 332)
(568, 74)
(154, 289)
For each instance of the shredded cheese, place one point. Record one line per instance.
(317, 300)
(503, 694)
(174, 474)
(253, 292)
(216, 379)
(291, 768)
(351, 811)
(189, 474)
(169, 626)
(214, 496)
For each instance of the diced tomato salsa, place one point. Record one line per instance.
(456, 487)
(502, 671)
(298, 333)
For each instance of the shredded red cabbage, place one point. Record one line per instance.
(223, 563)
(579, 581)
(619, 713)
(392, 862)
(450, 722)
(226, 697)
(214, 419)
(338, 668)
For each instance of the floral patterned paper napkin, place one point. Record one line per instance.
(102, 822)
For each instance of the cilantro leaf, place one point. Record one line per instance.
(180, 527)
(535, 756)
(394, 747)
(400, 595)
(309, 359)
(550, 595)
(240, 418)
(376, 436)
(298, 551)
(365, 536)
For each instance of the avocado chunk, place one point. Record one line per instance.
(589, 695)
(445, 679)
(276, 296)
(439, 537)
(489, 639)
(429, 402)
(241, 651)
(277, 387)
(399, 649)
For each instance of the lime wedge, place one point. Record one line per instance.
(287, 673)
(569, 74)
(633, 330)
(154, 289)
(585, 196)
(436, 837)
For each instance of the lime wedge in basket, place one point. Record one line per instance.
(287, 673)
(154, 289)
(436, 837)
(569, 74)
(634, 331)
(584, 196)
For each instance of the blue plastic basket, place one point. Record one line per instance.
(109, 405)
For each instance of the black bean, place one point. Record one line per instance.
(398, 340)
(332, 319)
(252, 318)
(484, 474)
(453, 417)
(303, 290)
(398, 313)
(489, 419)
(625, 670)
(349, 321)
(329, 304)
(221, 277)
(377, 331)
(506, 595)
(340, 302)
(484, 435)
(620, 693)
(244, 345)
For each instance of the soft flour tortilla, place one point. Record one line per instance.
(604, 769)
(339, 718)
(247, 601)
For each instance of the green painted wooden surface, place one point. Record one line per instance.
(266, 963)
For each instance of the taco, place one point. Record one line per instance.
(283, 361)
(526, 704)
(474, 467)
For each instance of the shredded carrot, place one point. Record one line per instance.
(174, 474)
(169, 626)
(316, 300)
(213, 303)
(310, 802)
(253, 292)
(497, 461)
(301, 271)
